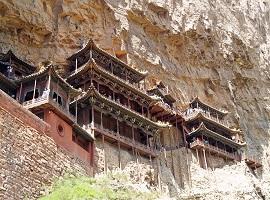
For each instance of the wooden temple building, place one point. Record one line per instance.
(12, 68)
(209, 132)
(103, 98)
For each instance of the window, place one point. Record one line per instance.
(60, 130)
(57, 98)
(29, 95)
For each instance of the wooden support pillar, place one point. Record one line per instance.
(76, 111)
(197, 154)
(20, 93)
(147, 140)
(67, 102)
(105, 158)
(148, 112)
(101, 119)
(76, 64)
(184, 135)
(49, 81)
(118, 144)
(142, 109)
(204, 157)
(34, 93)
(93, 117)
(98, 86)
(171, 152)
(133, 140)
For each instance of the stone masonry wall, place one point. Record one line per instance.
(29, 159)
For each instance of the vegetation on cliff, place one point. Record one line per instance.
(114, 185)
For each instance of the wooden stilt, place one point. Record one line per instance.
(204, 156)
(20, 93)
(105, 158)
(76, 112)
(119, 155)
(197, 154)
(171, 151)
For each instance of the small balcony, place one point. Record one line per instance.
(46, 99)
(198, 144)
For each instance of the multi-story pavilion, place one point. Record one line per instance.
(48, 95)
(115, 103)
(208, 131)
(12, 68)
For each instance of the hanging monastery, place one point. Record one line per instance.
(102, 101)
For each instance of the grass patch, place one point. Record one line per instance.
(114, 186)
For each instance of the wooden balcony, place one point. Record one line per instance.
(197, 144)
(48, 101)
(253, 163)
(125, 142)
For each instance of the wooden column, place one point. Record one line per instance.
(49, 81)
(197, 154)
(101, 119)
(67, 102)
(76, 64)
(105, 158)
(98, 86)
(34, 93)
(118, 144)
(76, 111)
(204, 157)
(147, 140)
(20, 93)
(171, 152)
(133, 140)
(184, 135)
(93, 116)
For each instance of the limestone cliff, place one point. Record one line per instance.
(218, 50)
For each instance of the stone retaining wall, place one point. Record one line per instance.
(29, 158)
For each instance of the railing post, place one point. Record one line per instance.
(34, 92)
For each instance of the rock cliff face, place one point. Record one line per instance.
(218, 50)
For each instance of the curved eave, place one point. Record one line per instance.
(203, 128)
(200, 115)
(197, 99)
(92, 92)
(11, 55)
(72, 91)
(92, 64)
(7, 81)
(90, 44)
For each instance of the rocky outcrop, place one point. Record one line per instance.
(218, 50)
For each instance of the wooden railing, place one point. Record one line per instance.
(48, 99)
(194, 112)
(215, 149)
